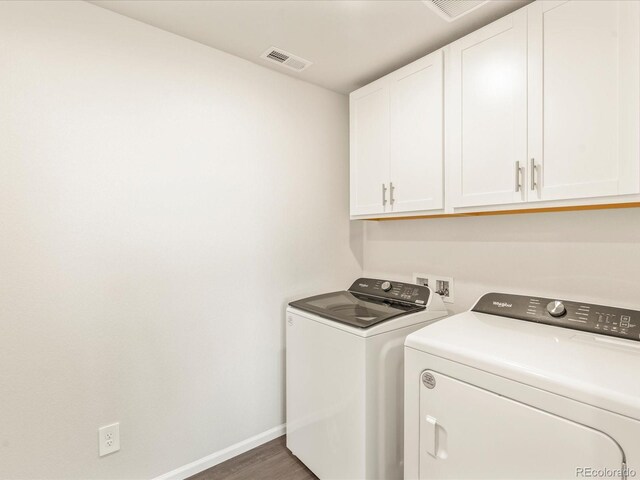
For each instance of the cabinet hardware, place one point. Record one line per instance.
(533, 172)
(384, 194)
(518, 176)
(391, 189)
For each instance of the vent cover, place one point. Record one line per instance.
(451, 10)
(286, 59)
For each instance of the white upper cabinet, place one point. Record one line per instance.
(584, 105)
(539, 109)
(369, 111)
(416, 126)
(486, 112)
(397, 141)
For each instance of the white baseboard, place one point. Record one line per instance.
(220, 456)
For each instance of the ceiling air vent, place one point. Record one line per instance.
(451, 10)
(285, 59)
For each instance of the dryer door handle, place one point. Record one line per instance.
(433, 438)
(430, 435)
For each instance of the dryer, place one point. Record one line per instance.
(524, 387)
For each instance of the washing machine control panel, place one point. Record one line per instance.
(397, 291)
(588, 317)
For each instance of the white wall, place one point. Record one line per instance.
(592, 256)
(160, 202)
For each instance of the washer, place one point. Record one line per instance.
(344, 376)
(524, 387)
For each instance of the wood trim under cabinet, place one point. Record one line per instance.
(605, 206)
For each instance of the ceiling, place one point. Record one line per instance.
(350, 43)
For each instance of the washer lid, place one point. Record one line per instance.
(594, 369)
(354, 308)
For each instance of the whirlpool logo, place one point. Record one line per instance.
(503, 304)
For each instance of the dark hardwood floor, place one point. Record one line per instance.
(269, 461)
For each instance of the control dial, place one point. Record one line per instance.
(556, 308)
(386, 286)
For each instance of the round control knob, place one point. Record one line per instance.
(386, 286)
(556, 308)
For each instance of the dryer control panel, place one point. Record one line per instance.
(403, 292)
(588, 317)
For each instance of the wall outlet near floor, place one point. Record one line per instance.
(109, 439)
(443, 286)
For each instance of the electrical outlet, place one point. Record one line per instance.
(443, 286)
(109, 439)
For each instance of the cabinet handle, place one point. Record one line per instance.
(391, 189)
(518, 176)
(534, 168)
(384, 194)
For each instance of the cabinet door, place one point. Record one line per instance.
(486, 104)
(416, 128)
(584, 98)
(468, 432)
(369, 114)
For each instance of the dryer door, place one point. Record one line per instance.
(468, 432)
